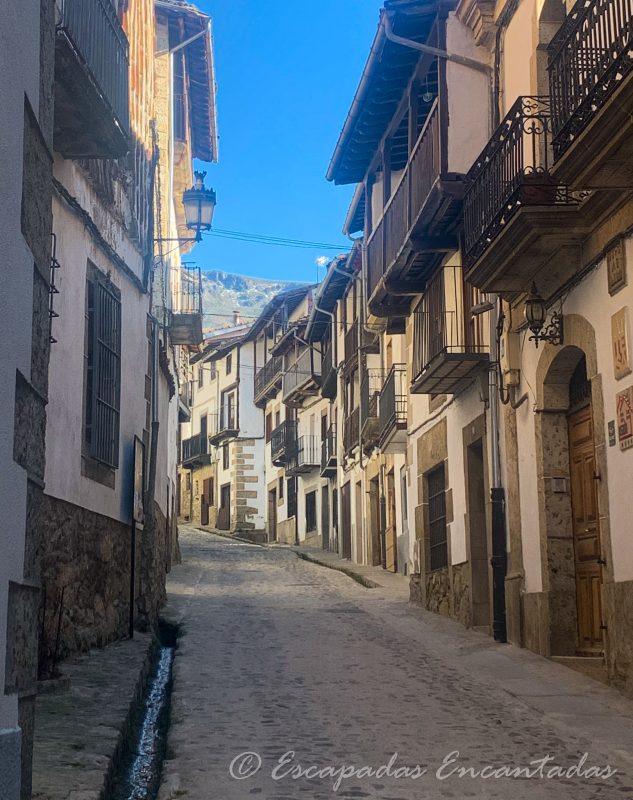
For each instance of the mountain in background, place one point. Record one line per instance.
(224, 293)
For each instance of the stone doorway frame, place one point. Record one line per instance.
(554, 370)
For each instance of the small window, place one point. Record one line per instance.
(281, 488)
(229, 363)
(225, 456)
(277, 418)
(311, 515)
(188, 481)
(438, 545)
(200, 377)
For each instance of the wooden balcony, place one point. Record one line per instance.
(329, 377)
(450, 346)
(351, 431)
(268, 381)
(185, 327)
(520, 224)
(303, 378)
(370, 388)
(591, 95)
(418, 225)
(224, 426)
(195, 452)
(392, 411)
(283, 442)
(92, 118)
(305, 458)
(329, 459)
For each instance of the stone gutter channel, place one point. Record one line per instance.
(101, 734)
(138, 772)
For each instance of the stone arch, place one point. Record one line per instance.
(554, 372)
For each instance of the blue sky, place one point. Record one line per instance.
(286, 71)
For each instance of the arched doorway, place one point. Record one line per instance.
(571, 518)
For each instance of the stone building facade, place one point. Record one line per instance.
(26, 157)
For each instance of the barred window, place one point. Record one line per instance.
(103, 369)
(436, 486)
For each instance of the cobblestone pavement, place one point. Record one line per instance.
(278, 654)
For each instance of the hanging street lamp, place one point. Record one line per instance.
(199, 203)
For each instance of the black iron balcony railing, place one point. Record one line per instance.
(512, 171)
(589, 57)
(407, 202)
(329, 452)
(223, 425)
(305, 456)
(351, 431)
(283, 442)
(393, 400)
(303, 374)
(194, 449)
(268, 376)
(94, 31)
(189, 291)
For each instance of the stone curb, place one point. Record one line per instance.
(355, 576)
(232, 537)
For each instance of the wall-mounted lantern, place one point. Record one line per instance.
(536, 318)
(199, 205)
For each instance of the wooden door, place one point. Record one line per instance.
(391, 542)
(375, 558)
(586, 531)
(325, 517)
(224, 512)
(346, 522)
(360, 555)
(205, 501)
(272, 516)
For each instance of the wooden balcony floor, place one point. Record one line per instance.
(449, 373)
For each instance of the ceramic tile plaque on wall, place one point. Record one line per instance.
(620, 343)
(616, 267)
(624, 408)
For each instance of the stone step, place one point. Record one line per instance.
(591, 666)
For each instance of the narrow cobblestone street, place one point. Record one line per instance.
(277, 654)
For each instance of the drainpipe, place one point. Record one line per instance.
(464, 61)
(499, 559)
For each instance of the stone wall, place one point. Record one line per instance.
(245, 478)
(85, 571)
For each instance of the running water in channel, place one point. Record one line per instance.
(139, 775)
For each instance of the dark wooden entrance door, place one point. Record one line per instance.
(325, 517)
(346, 522)
(224, 512)
(391, 539)
(375, 558)
(479, 550)
(205, 501)
(586, 531)
(272, 516)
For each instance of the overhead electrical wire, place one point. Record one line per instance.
(276, 241)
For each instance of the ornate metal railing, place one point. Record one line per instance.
(94, 30)
(512, 171)
(406, 203)
(392, 405)
(194, 447)
(588, 58)
(283, 442)
(269, 374)
(351, 430)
